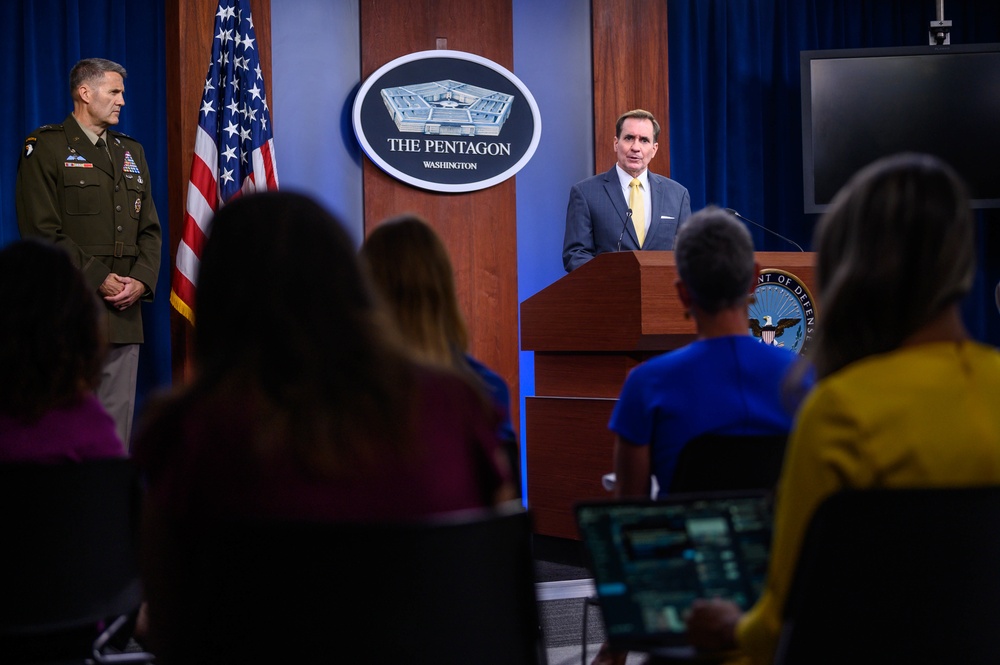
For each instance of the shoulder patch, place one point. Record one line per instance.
(42, 130)
(33, 138)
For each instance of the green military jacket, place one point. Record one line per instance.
(102, 215)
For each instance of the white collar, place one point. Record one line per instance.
(625, 178)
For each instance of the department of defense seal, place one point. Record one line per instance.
(782, 311)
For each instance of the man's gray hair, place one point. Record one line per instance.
(90, 69)
(715, 259)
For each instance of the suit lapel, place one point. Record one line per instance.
(613, 187)
(656, 194)
(77, 140)
(117, 156)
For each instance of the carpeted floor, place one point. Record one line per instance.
(563, 585)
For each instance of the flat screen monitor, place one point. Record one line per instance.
(862, 104)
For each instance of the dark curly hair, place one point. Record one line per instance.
(51, 342)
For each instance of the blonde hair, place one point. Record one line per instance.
(894, 250)
(410, 268)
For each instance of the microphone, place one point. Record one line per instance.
(628, 218)
(761, 226)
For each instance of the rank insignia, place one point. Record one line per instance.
(129, 165)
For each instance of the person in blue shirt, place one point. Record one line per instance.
(724, 382)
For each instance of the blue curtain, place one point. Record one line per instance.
(41, 41)
(735, 118)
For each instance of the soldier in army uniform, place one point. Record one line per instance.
(87, 189)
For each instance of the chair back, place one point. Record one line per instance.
(70, 544)
(455, 589)
(898, 575)
(718, 462)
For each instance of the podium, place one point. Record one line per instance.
(588, 330)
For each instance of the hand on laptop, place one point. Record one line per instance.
(711, 624)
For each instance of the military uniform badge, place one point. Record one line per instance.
(76, 160)
(129, 166)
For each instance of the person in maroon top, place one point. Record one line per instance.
(305, 404)
(411, 270)
(51, 351)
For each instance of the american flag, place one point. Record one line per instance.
(234, 148)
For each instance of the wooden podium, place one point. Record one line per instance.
(588, 330)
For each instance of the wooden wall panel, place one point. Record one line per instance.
(190, 28)
(574, 467)
(585, 374)
(630, 71)
(479, 228)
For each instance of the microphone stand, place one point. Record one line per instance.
(628, 218)
(761, 226)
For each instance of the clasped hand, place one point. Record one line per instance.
(121, 292)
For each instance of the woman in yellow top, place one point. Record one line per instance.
(904, 397)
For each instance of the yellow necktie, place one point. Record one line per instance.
(638, 210)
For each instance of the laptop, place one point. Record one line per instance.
(651, 559)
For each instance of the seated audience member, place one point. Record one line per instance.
(410, 268)
(303, 404)
(904, 397)
(724, 382)
(50, 360)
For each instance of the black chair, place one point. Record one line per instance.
(69, 560)
(719, 462)
(456, 589)
(715, 463)
(897, 576)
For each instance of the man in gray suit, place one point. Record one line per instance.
(604, 210)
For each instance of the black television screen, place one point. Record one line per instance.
(862, 104)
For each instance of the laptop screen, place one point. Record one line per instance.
(652, 559)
